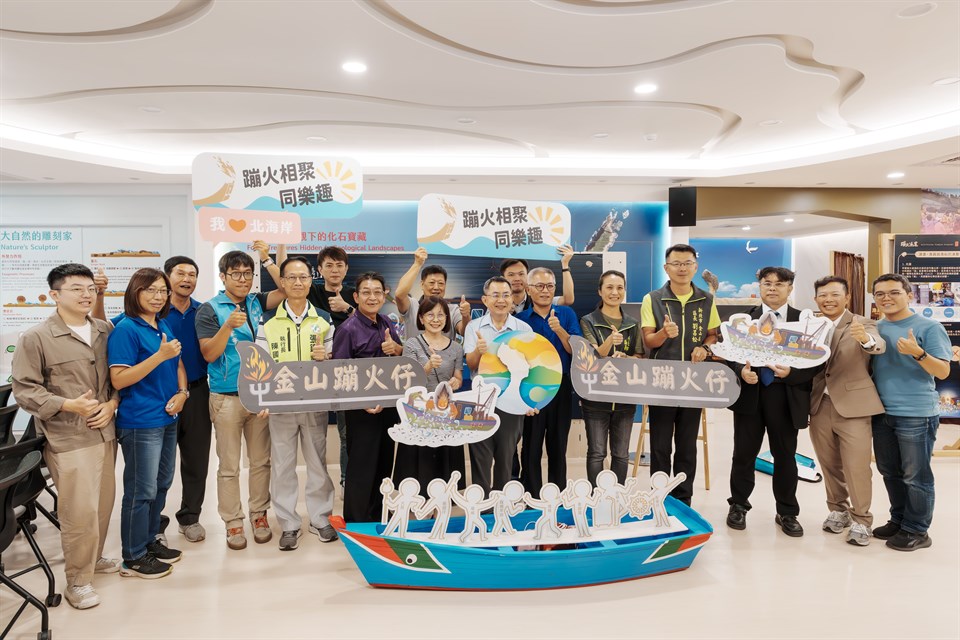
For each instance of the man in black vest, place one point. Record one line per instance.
(775, 400)
(679, 321)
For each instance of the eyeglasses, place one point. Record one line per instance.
(498, 296)
(767, 284)
(544, 286)
(153, 293)
(435, 316)
(237, 276)
(297, 278)
(79, 291)
(689, 264)
(896, 293)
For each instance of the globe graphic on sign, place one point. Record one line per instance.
(526, 367)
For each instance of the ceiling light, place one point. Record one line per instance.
(316, 139)
(770, 123)
(151, 109)
(895, 174)
(917, 10)
(745, 228)
(466, 121)
(650, 137)
(788, 219)
(645, 88)
(354, 66)
(601, 136)
(942, 82)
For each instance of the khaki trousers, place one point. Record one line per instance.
(843, 447)
(231, 422)
(86, 486)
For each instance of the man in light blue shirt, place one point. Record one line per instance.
(918, 350)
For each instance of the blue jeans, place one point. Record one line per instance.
(603, 424)
(903, 447)
(149, 459)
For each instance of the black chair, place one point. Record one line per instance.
(7, 416)
(30, 433)
(6, 390)
(16, 468)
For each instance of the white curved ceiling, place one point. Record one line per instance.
(486, 87)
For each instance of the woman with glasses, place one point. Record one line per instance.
(617, 335)
(145, 366)
(442, 359)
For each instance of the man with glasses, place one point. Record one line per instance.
(60, 377)
(918, 350)
(841, 405)
(514, 270)
(556, 324)
(499, 449)
(775, 400)
(231, 317)
(679, 322)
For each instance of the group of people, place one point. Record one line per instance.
(155, 378)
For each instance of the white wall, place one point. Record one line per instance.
(812, 260)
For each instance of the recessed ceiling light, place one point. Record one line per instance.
(917, 10)
(354, 66)
(600, 136)
(942, 82)
(895, 174)
(316, 139)
(151, 109)
(645, 88)
(770, 123)
(650, 137)
(788, 219)
(466, 121)
(746, 227)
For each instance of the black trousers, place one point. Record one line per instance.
(773, 418)
(552, 425)
(428, 463)
(491, 459)
(193, 438)
(673, 431)
(370, 450)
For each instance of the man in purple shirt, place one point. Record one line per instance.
(367, 334)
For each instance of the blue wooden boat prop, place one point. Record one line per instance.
(635, 549)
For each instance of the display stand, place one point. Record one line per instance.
(949, 450)
(702, 437)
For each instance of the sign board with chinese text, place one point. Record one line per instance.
(310, 187)
(236, 225)
(325, 385)
(766, 341)
(668, 383)
(492, 227)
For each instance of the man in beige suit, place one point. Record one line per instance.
(841, 404)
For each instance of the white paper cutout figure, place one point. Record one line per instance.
(472, 503)
(386, 488)
(407, 499)
(440, 492)
(516, 362)
(611, 500)
(509, 502)
(578, 497)
(548, 504)
(660, 485)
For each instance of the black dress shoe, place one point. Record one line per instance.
(737, 517)
(887, 531)
(789, 525)
(907, 541)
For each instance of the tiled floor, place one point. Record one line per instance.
(756, 583)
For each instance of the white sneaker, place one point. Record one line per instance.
(193, 532)
(82, 597)
(836, 521)
(107, 565)
(859, 534)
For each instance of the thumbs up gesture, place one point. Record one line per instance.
(435, 360)
(101, 281)
(553, 321)
(670, 327)
(84, 405)
(337, 303)
(749, 375)
(236, 319)
(465, 310)
(481, 344)
(389, 346)
(908, 346)
(858, 332)
(616, 338)
(169, 349)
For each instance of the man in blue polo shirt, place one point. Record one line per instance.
(231, 317)
(556, 324)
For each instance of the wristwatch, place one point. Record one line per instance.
(267, 262)
(185, 392)
(921, 357)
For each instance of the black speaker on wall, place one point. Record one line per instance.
(683, 206)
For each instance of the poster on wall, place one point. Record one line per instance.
(120, 253)
(27, 254)
(940, 211)
(734, 263)
(311, 187)
(235, 225)
(463, 225)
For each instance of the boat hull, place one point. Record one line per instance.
(418, 564)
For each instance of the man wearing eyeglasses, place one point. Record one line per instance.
(514, 270)
(60, 377)
(228, 318)
(679, 322)
(556, 324)
(775, 400)
(918, 350)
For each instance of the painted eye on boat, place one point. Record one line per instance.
(411, 559)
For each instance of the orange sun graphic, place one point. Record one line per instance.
(342, 177)
(552, 222)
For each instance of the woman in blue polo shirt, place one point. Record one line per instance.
(145, 366)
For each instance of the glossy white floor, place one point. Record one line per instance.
(756, 583)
